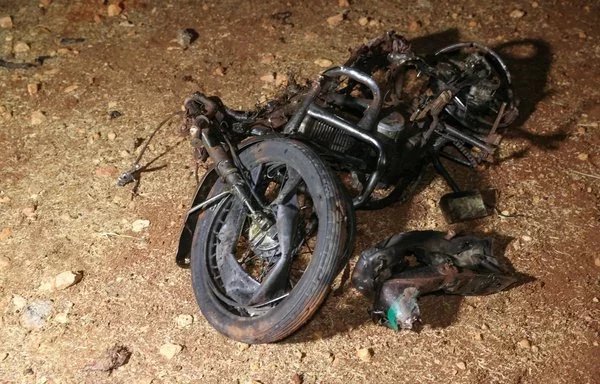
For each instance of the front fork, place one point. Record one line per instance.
(225, 168)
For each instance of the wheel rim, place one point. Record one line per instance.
(251, 270)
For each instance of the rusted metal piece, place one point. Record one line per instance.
(400, 269)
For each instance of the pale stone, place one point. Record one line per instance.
(67, 279)
(169, 350)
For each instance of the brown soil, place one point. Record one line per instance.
(132, 291)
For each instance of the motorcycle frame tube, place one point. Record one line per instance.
(335, 121)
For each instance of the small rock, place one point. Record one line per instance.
(4, 262)
(461, 365)
(597, 261)
(219, 71)
(113, 358)
(374, 23)
(595, 299)
(28, 372)
(71, 88)
(62, 318)
(19, 302)
(38, 117)
(21, 47)
(534, 4)
(365, 354)
(414, 25)
(67, 279)
(268, 78)
(535, 349)
(344, 3)
(583, 156)
(29, 212)
(281, 80)
(114, 10)
(6, 22)
(517, 13)
(109, 170)
(296, 379)
(267, 59)
(186, 37)
(243, 346)
(336, 19)
(5, 233)
(505, 213)
(524, 344)
(114, 114)
(33, 88)
(478, 336)
(139, 225)
(363, 21)
(169, 350)
(35, 314)
(324, 63)
(526, 238)
(485, 327)
(111, 136)
(45, 3)
(184, 321)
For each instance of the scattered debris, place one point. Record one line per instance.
(324, 63)
(6, 22)
(583, 156)
(35, 314)
(67, 279)
(29, 212)
(33, 88)
(365, 354)
(220, 70)
(170, 350)
(363, 21)
(184, 321)
(460, 265)
(186, 37)
(243, 346)
(139, 225)
(38, 117)
(268, 78)
(461, 365)
(112, 359)
(108, 170)
(111, 136)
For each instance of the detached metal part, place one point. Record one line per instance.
(398, 270)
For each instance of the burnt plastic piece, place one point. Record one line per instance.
(398, 270)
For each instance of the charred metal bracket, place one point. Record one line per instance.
(398, 270)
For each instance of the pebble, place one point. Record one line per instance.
(45, 3)
(517, 13)
(114, 10)
(526, 238)
(597, 261)
(111, 136)
(71, 88)
(267, 59)
(139, 225)
(365, 354)
(4, 262)
(38, 117)
(185, 37)
(29, 212)
(534, 4)
(109, 170)
(535, 349)
(268, 78)
(184, 321)
(524, 344)
(35, 314)
(583, 156)
(6, 22)
(67, 279)
(461, 365)
(219, 71)
(5, 233)
(336, 19)
(344, 3)
(296, 379)
(478, 336)
(363, 21)
(169, 350)
(324, 63)
(414, 25)
(21, 47)
(62, 318)
(281, 80)
(33, 88)
(19, 302)
(243, 346)
(595, 299)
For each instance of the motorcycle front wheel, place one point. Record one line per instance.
(257, 282)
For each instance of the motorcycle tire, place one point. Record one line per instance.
(331, 245)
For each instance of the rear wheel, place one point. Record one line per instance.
(259, 283)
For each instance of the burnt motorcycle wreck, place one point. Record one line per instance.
(272, 222)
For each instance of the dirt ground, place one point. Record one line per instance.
(60, 209)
